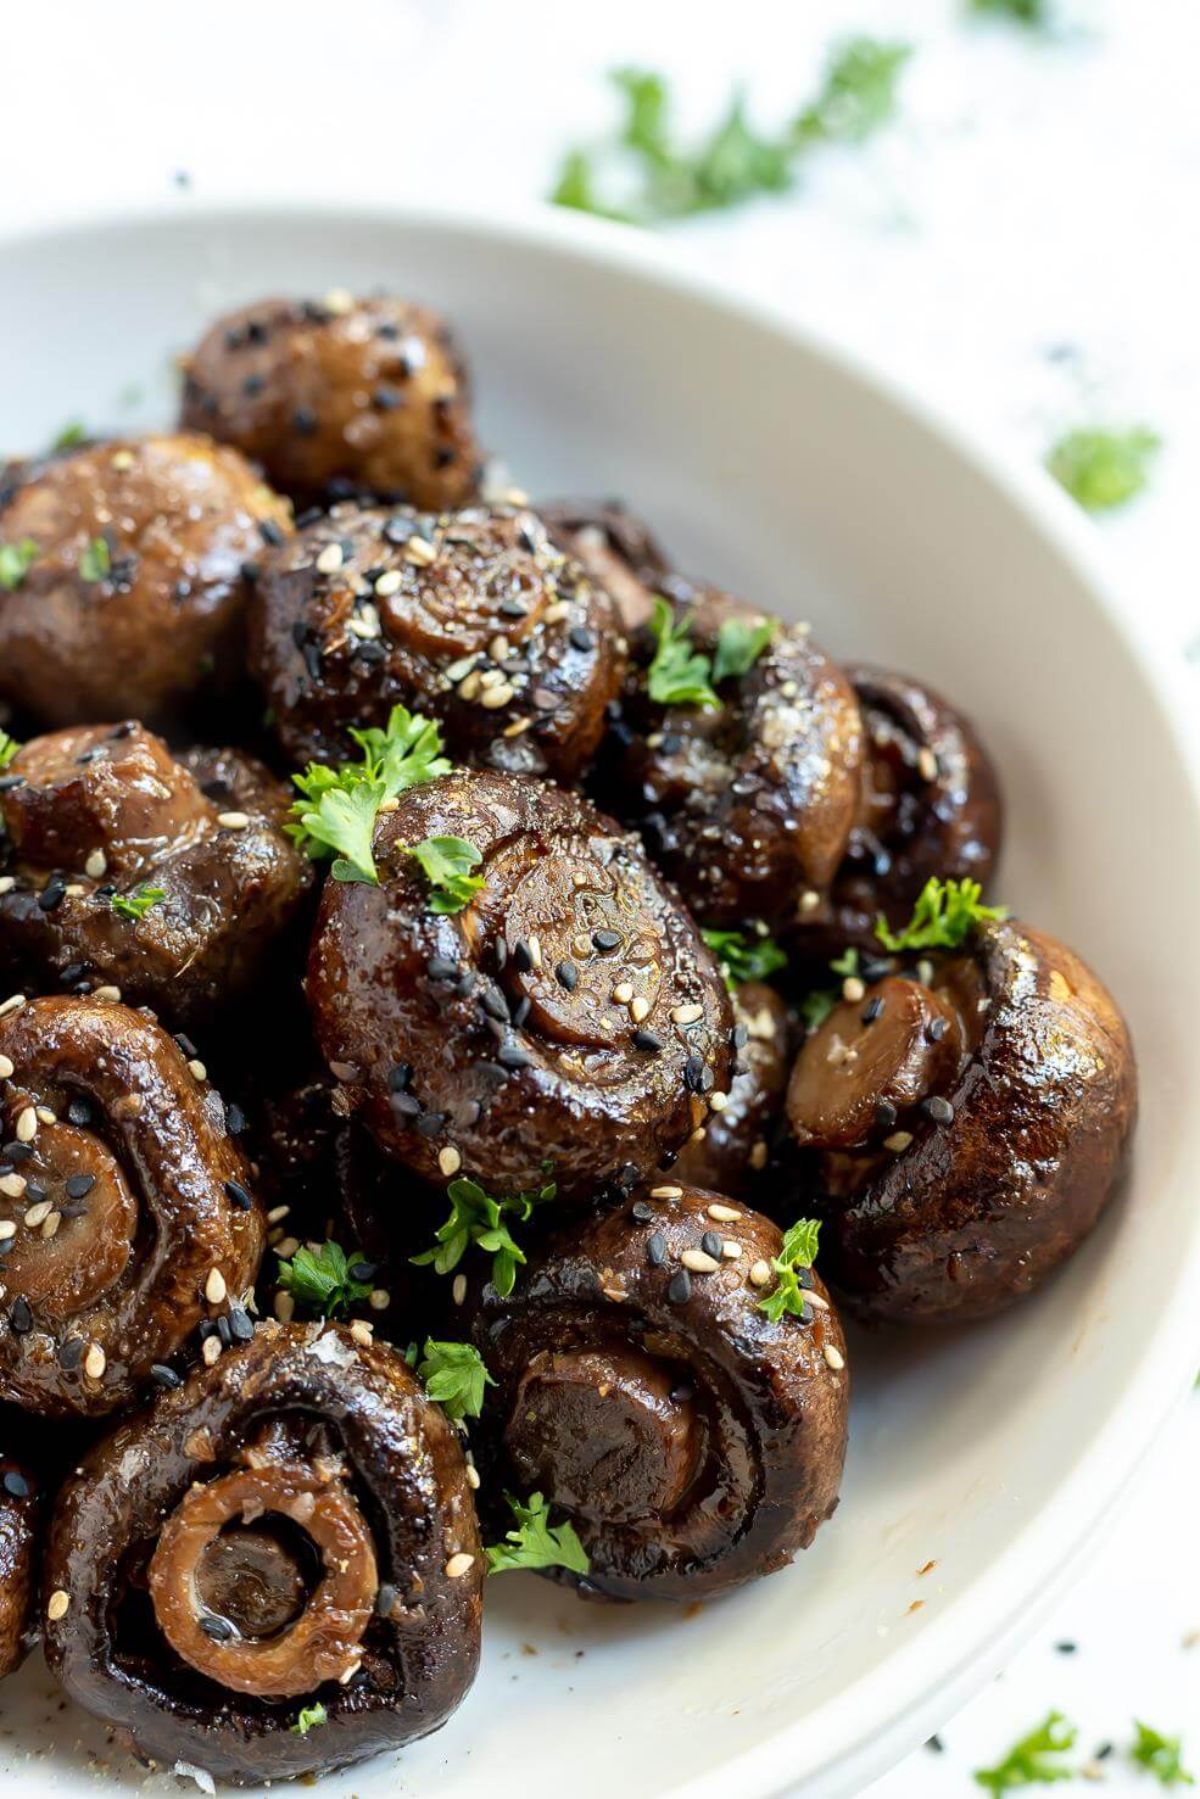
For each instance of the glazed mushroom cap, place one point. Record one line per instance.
(616, 548)
(476, 618)
(990, 1153)
(124, 865)
(126, 1216)
(138, 626)
(362, 396)
(735, 1148)
(930, 806)
(291, 1527)
(693, 1443)
(744, 804)
(20, 1520)
(569, 1024)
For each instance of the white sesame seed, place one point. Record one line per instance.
(816, 1300)
(497, 696)
(233, 821)
(214, 1287)
(12, 1186)
(699, 1261)
(853, 989)
(809, 901)
(724, 1214)
(639, 1008)
(925, 971)
(898, 1140)
(379, 1299)
(581, 945)
(130, 1105)
(623, 992)
(211, 1350)
(50, 1227)
(555, 614)
(473, 1477)
(107, 996)
(718, 1101)
(730, 1250)
(287, 1247)
(390, 582)
(277, 1214)
(470, 686)
(362, 1332)
(12, 1004)
(7, 883)
(35, 1214)
(689, 1014)
(459, 1564)
(95, 865)
(666, 1192)
(534, 946)
(449, 1160)
(365, 622)
(927, 766)
(27, 1123)
(760, 1274)
(122, 460)
(499, 648)
(284, 1307)
(834, 1357)
(198, 1071)
(46, 1116)
(458, 1291)
(330, 560)
(759, 1154)
(457, 671)
(57, 1605)
(8, 1229)
(6, 1069)
(95, 1362)
(518, 727)
(419, 551)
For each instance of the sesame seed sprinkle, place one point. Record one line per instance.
(699, 1261)
(459, 1564)
(233, 821)
(834, 1357)
(214, 1287)
(57, 1605)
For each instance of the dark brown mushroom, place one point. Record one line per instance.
(617, 550)
(339, 396)
(135, 596)
(20, 1548)
(124, 865)
(963, 1131)
(930, 806)
(749, 801)
(126, 1216)
(734, 1150)
(692, 1442)
(569, 1019)
(476, 618)
(290, 1532)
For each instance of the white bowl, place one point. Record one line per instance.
(771, 463)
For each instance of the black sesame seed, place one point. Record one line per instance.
(186, 1045)
(580, 638)
(671, 743)
(656, 1250)
(431, 1124)
(680, 1289)
(693, 1074)
(249, 572)
(78, 1186)
(219, 1629)
(270, 532)
(166, 1377)
(52, 894)
(20, 1316)
(936, 1744)
(511, 1055)
(711, 1244)
(522, 958)
(936, 1030)
(35, 1194)
(15, 1484)
(805, 1277)
(17, 1152)
(70, 1353)
(640, 1212)
(440, 968)
(1067, 1648)
(238, 1196)
(407, 1104)
(224, 1332)
(304, 421)
(253, 385)
(512, 608)
(741, 1036)
(522, 1012)
(494, 1004)
(9, 783)
(567, 976)
(235, 1119)
(939, 1109)
(872, 1010)
(885, 1114)
(606, 940)
(399, 1075)
(363, 1271)
(1102, 1752)
(241, 1324)
(385, 1599)
(647, 1040)
(874, 968)
(68, 1212)
(386, 399)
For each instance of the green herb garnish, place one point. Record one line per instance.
(858, 95)
(679, 674)
(944, 916)
(1026, 12)
(1160, 1756)
(816, 1006)
(322, 1279)
(744, 958)
(9, 747)
(1103, 469)
(73, 433)
(454, 1374)
(96, 562)
(740, 643)
(799, 1251)
(476, 1217)
(16, 560)
(447, 862)
(535, 1542)
(1028, 1762)
(309, 1719)
(138, 901)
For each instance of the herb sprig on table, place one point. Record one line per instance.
(1104, 469)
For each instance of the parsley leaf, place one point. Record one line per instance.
(446, 862)
(96, 562)
(309, 1719)
(321, 1279)
(454, 1374)
(9, 747)
(405, 753)
(16, 559)
(799, 1250)
(678, 674)
(1026, 12)
(744, 958)
(535, 1542)
(1103, 469)
(338, 806)
(740, 643)
(944, 916)
(1160, 1756)
(343, 820)
(1027, 1762)
(138, 901)
(858, 94)
(478, 1218)
(73, 433)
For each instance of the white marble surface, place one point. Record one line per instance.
(1023, 243)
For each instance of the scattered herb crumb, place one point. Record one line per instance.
(309, 1719)
(1103, 469)
(743, 957)
(1035, 1760)
(1160, 1756)
(138, 901)
(16, 560)
(534, 1542)
(323, 1279)
(96, 562)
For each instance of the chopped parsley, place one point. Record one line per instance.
(681, 675)
(476, 1217)
(644, 176)
(309, 1719)
(944, 916)
(798, 1251)
(744, 958)
(96, 562)
(9, 747)
(338, 807)
(536, 1543)
(1031, 1761)
(323, 1279)
(454, 1374)
(1104, 469)
(73, 433)
(1026, 12)
(1160, 1756)
(16, 560)
(138, 901)
(740, 643)
(447, 863)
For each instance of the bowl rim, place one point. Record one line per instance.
(904, 1697)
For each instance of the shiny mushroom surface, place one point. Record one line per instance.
(126, 1216)
(20, 1554)
(134, 599)
(693, 1442)
(569, 1023)
(340, 395)
(965, 1126)
(616, 548)
(123, 864)
(291, 1529)
(735, 1147)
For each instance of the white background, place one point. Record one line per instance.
(1022, 242)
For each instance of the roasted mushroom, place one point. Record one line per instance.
(125, 1211)
(930, 806)
(569, 1018)
(692, 1441)
(474, 617)
(965, 1125)
(617, 550)
(730, 1151)
(124, 865)
(339, 396)
(20, 1529)
(745, 797)
(276, 1570)
(141, 554)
